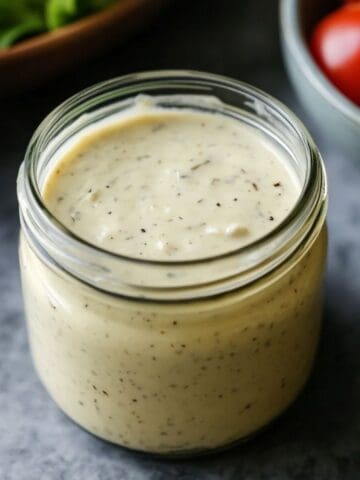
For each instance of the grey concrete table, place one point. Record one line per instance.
(319, 438)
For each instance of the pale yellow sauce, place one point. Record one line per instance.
(182, 376)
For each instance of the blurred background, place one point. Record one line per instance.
(319, 437)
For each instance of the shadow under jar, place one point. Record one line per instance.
(174, 357)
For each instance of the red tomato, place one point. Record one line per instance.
(335, 45)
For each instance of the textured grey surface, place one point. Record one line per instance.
(319, 438)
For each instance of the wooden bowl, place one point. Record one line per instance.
(33, 61)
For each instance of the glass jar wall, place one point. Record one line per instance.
(174, 357)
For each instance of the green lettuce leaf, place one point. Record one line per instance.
(20, 18)
(28, 27)
(23, 18)
(62, 12)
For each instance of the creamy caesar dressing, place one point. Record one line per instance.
(171, 185)
(177, 377)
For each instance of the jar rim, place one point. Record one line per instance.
(313, 194)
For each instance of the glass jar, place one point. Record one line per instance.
(174, 357)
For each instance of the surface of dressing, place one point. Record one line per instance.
(171, 185)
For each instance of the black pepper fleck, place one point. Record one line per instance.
(195, 167)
